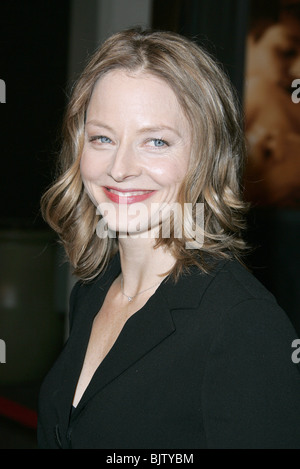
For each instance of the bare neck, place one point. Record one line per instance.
(143, 265)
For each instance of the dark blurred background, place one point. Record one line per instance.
(43, 46)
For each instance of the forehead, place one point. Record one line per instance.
(134, 92)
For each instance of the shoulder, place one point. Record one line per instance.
(232, 284)
(249, 359)
(236, 303)
(248, 323)
(227, 284)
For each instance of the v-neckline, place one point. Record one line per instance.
(89, 326)
(88, 343)
(94, 311)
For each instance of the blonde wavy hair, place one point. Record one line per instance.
(217, 157)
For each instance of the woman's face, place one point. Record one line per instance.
(136, 152)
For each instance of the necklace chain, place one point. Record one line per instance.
(130, 298)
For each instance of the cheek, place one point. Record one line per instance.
(85, 167)
(89, 176)
(90, 168)
(169, 173)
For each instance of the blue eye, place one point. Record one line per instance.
(101, 139)
(158, 142)
(104, 139)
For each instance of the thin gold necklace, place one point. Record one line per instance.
(130, 298)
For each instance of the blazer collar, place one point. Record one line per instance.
(190, 288)
(142, 332)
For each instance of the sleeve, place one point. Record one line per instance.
(251, 392)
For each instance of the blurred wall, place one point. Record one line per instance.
(33, 63)
(93, 21)
(218, 25)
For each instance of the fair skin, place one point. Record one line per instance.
(137, 146)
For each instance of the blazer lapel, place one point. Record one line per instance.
(142, 332)
(75, 348)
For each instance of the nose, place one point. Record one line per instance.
(124, 164)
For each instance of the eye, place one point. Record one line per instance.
(100, 139)
(158, 142)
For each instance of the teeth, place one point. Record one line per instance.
(128, 194)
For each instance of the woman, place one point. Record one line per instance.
(173, 344)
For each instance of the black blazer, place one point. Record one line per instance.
(206, 363)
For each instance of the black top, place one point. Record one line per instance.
(206, 363)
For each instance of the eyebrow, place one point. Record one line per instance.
(143, 130)
(98, 124)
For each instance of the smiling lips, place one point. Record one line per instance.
(126, 196)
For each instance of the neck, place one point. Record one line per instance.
(142, 265)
